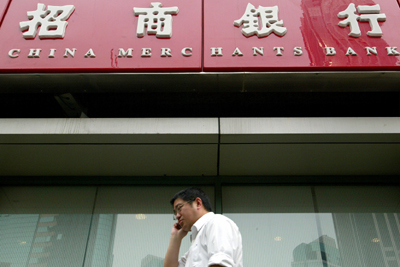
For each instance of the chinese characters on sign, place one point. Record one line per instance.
(52, 21)
(261, 21)
(158, 20)
(371, 15)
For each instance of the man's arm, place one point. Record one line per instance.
(172, 255)
(224, 243)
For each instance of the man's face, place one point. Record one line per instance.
(185, 213)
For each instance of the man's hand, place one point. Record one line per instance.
(177, 234)
(178, 231)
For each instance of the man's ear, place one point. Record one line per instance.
(199, 203)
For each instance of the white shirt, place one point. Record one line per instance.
(215, 240)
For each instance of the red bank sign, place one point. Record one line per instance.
(198, 35)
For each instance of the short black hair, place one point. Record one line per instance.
(190, 194)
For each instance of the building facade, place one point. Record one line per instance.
(290, 123)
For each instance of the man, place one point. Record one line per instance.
(216, 240)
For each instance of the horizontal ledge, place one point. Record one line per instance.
(110, 131)
(110, 126)
(200, 130)
(328, 125)
(310, 130)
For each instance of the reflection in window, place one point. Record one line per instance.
(17, 235)
(286, 239)
(132, 226)
(366, 238)
(103, 234)
(351, 226)
(286, 226)
(320, 252)
(46, 218)
(130, 240)
(31, 240)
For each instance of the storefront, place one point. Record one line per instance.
(289, 121)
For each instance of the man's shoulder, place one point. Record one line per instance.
(222, 226)
(222, 219)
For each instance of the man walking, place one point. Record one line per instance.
(216, 240)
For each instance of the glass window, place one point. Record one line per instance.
(273, 221)
(366, 221)
(285, 226)
(333, 226)
(32, 218)
(42, 229)
(45, 218)
(131, 226)
(37, 249)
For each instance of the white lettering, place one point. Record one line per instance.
(123, 53)
(237, 52)
(392, 51)
(184, 52)
(13, 53)
(373, 19)
(157, 20)
(90, 53)
(52, 51)
(278, 50)
(216, 51)
(146, 52)
(187, 52)
(350, 52)
(53, 21)
(258, 51)
(166, 52)
(261, 21)
(34, 53)
(371, 50)
(351, 18)
(368, 13)
(330, 51)
(69, 52)
(298, 51)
